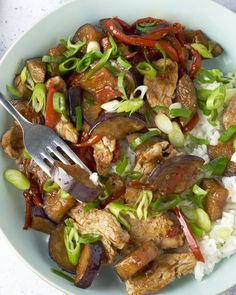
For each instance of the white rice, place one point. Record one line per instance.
(220, 242)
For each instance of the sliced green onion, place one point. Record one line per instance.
(217, 166)
(176, 136)
(205, 76)
(163, 204)
(224, 233)
(124, 63)
(104, 196)
(64, 195)
(145, 27)
(228, 134)
(211, 45)
(203, 220)
(73, 48)
(122, 165)
(59, 102)
(17, 178)
(114, 48)
(197, 200)
(216, 99)
(120, 85)
(143, 202)
(183, 113)
(146, 69)
(62, 275)
(196, 230)
(144, 137)
(79, 118)
(203, 94)
(83, 64)
(118, 209)
(93, 46)
(189, 213)
(111, 69)
(213, 117)
(91, 205)
(234, 144)
(164, 123)
(23, 75)
(197, 190)
(89, 238)
(13, 91)
(198, 140)
(163, 53)
(134, 174)
(160, 107)
(26, 154)
(68, 65)
(129, 105)
(39, 97)
(53, 59)
(202, 50)
(71, 240)
(105, 57)
(50, 186)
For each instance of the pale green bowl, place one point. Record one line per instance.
(218, 22)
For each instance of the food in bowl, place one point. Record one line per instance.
(158, 133)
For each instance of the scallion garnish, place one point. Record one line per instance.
(145, 27)
(59, 102)
(129, 105)
(196, 230)
(68, 65)
(72, 49)
(64, 195)
(144, 137)
(53, 59)
(163, 53)
(78, 118)
(176, 136)
(217, 166)
(134, 174)
(120, 85)
(13, 91)
(84, 63)
(17, 178)
(203, 220)
(205, 76)
(121, 165)
(124, 63)
(228, 134)
(50, 186)
(198, 140)
(198, 191)
(183, 113)
(23, 75)
(143, 203)
(146, 69)
(118, 210)
(189, 213)
(163, 204)
(217, 98)
(114, 48)
(202, 50)
(91, 205)
(62, 275)
(38, 97)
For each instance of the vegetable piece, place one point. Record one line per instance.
(37, 70)
(124, 63)
(59, 102)
(143, 137)
(75, 181)
(75, 100)
(62, 275)
(120, 84)
(198, 140)
(130, 105)
(13, 91)
(121, 165)
(196, 61)
(134, 175)
(217, 166)
(202, 50)
(72, 243)
(72, 48)
(203, 220)
(117, 125)
(39, 97)
(146, 69)
(143, 203)
(216, 98)
(91, 108)
(50, 186)
(163, 204)
(79, 118)
(53, 59)
(189, 213)
(118, 209)
(68, 65)
(181, 112)
(176, 136)
(196, 230)
(190, 239)
(89, 264)
(57, 249)
(136, 260)
(163, 123)
(228, 134)
(192, 123)
(17, 178)
(93, 46)
(40, 221)
(51, 116)
(176, 174)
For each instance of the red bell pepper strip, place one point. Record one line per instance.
(192, 123)
(189, 237)
(148, 20)
(196, 61)
(28, 217)
(180, 50)
(126, 27)
(112, 27)
(51, 116)
(89, 142)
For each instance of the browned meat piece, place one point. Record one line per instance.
(215, 200)
(56, 51)
(157, 227)
(131, 195)
(103, 154)
(67, 131)
(229, 116)
(87, 33)
(186, 95)
(26, 110)
(165, 269)
(136, 260)
(21, 87)
(102, 85)
(38, 174)
(56, 207)
(91, 107)
(58, 83)
(37, 70)
(103, 223)
(12, 142)
(199, 37)
(161, 88)
(226, 150)
(115, 185)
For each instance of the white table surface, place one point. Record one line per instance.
(16, 16)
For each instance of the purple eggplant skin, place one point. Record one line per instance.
(75, 100)
(89, 264)
(75, 181)
(176, 174)
(117, 125)
(57, 249)
(40, 221)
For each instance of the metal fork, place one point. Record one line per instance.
(41, 142)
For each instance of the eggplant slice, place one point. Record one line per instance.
(89, 264)
(40, 221)
(57, 249)
(176, 174)
(117, 125)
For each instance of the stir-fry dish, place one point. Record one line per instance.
(157, 132)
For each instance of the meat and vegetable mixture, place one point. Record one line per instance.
(127, 99)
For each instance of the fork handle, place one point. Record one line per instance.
(12, 110)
